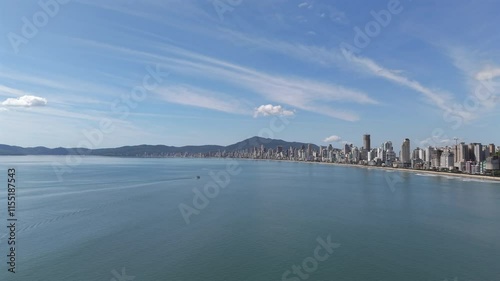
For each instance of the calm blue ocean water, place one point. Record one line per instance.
(119, 219)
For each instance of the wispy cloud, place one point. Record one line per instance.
(336, 15)
(59, 83)
(307, 53)
(161, 12)
(370, 66)
(298, 92)
(333, 138)
(481, 90)
(335, 58)
(192, 96)
(304, 5)
(25, 78)
(488, 74)
(7, 91)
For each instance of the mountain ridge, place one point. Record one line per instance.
(148, 150)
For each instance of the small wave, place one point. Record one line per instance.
(479, 180)
(426, 175)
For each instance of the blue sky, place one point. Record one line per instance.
(218, 72)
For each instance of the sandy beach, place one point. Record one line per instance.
(443, 174)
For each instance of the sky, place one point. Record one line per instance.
(110, 73)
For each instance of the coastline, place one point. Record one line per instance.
(442, 174)
(435, 173)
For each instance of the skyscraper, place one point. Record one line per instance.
(309, 153)
(347, 149)
(461, 152)
(461, 155)
(491, 148)
(405, 153)
(387, 145)
(470, 152)
(366, 142)
(478, 152)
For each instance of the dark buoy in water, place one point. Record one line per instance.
(198, 177)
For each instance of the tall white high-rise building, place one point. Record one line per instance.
(390, 156)
(421, 154)
(381, 153)
(478, 152)
(355, 155)
(372, 154)
(447, 159)
(430, 154)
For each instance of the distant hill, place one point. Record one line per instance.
(40, 150)
(148, 150)
(268, 144)
(140, 150)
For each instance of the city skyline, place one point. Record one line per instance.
(209, 72)
(405, 154)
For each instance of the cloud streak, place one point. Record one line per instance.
(438, 99)
(4, 90)
(333, 138)
(483, 92)
(306, 94)
(196, 97)
(336, 58)
(488, 74)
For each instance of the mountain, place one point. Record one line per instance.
(143, 150)
(268, 144)
(39, 150)
(152, 150)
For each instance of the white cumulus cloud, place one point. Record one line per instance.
(332, 139)
(269, 110)
(27, 101)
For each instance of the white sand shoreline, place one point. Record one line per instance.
(443, 174)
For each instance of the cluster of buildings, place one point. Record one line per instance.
(473, 158)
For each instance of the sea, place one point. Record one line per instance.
(124, 219)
